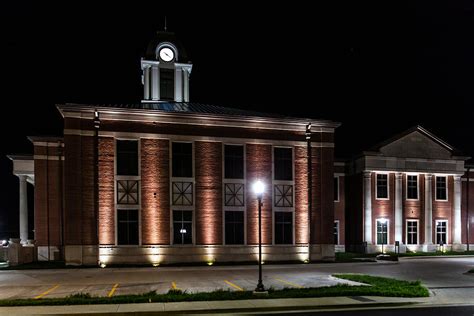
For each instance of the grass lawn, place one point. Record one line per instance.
(378, 286)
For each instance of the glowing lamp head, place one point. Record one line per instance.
(258, 188)
(156, 264)
(102, 265)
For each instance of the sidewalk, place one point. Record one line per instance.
(236, 306)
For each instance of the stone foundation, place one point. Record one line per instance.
(85, 255)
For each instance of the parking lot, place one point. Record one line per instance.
(439, 273)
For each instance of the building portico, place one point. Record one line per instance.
(23, 168)
(412, 193)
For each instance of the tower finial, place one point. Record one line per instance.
(165, 23)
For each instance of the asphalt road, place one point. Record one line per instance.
(444, 276)
(428, 311)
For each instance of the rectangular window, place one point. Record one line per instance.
(382, 232)
(284, 228)
(182, 227)
(382, 186)
(441, 189)
(283, 159)
(127, 227)
(336, 232)
(234, 227)
(412, 232)
(442, 232)
(412, 187)
(233, 162)
(336, 189)
(127, 157)
(166, 84)
(182, 160)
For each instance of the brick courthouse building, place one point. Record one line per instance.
(168, 180)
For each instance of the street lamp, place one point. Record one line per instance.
(383, 221)
(258, 188)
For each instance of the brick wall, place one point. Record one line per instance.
(464, 212)
(339, 210)
(208, 179)
(443, 209)
(259, 166)
(301, 195)
(155, 195)
(106, 191)
(72, 190)
(48, 197)
(322, 213)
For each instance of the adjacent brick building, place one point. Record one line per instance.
(410, 189)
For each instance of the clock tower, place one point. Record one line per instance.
(166, 70)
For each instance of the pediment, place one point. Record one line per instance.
(416, 145)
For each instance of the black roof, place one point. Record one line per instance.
(188, 107)
(169, 37)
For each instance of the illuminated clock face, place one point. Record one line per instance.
(166, 54)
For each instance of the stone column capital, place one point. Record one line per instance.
(398, 175)
(367, 174)
(428, 176)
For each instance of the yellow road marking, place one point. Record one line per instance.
(112, 291)
(47, 292)
(289, 283)
(233, 285)
(173, 286)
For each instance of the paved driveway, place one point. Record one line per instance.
(444, 275)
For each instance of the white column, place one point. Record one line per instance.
(428, 211)
(457, 210)
(178, 85)
(186, 84)
(23, 210)
(368, 207)
(146, 83)
(398, 207)
(155, 83)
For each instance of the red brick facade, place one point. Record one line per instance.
(259, 166)
(106, 191)
(155, 195)
(208, 167)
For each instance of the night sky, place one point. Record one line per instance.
(376, 68)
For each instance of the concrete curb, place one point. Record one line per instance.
(436, 257)
(209, 307)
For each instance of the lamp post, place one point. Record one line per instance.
(383, 221)
(258, 188)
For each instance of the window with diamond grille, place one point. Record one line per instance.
(234, 194)
(127, 192)
(183, 193)
(283, 195)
